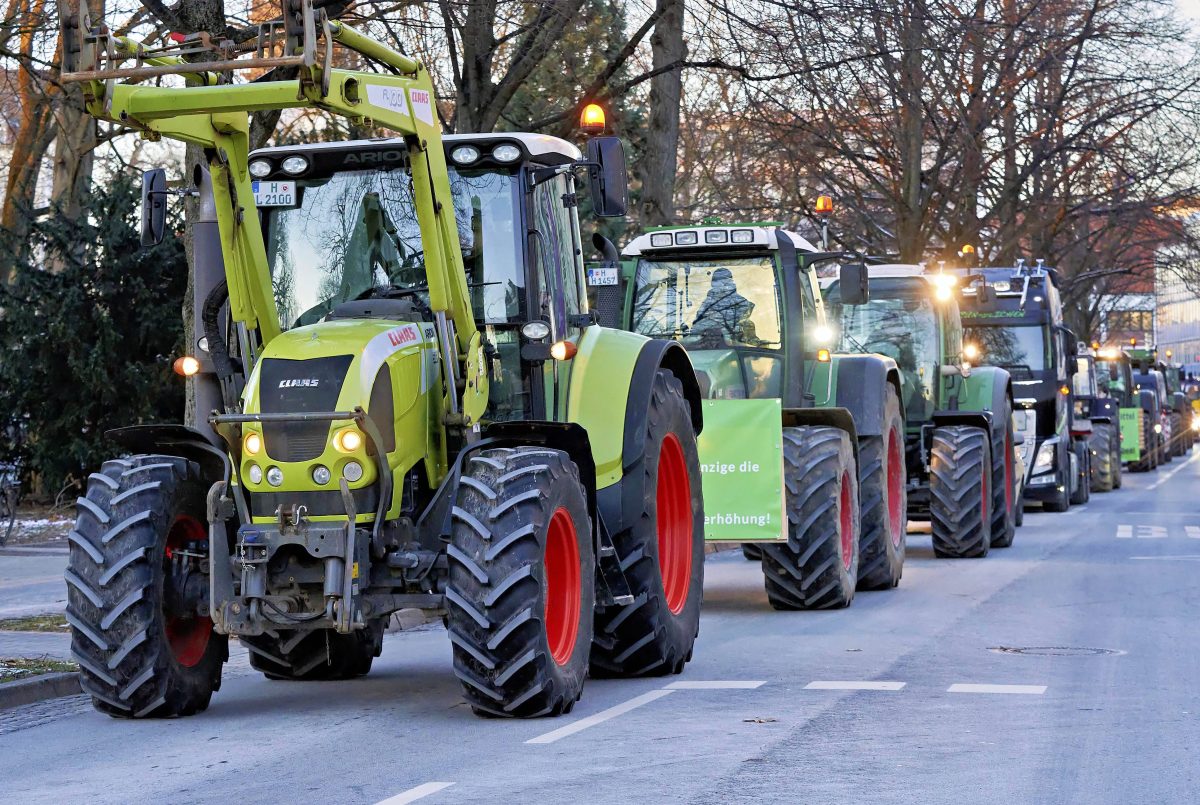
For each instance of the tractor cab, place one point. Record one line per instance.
(742, 300)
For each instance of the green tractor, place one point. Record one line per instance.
(401, 400)
(963, 466)
(1114, 382)
(1096, 404)
(790, 427)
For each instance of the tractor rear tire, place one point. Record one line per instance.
(960, 492)
(1004, 483)
(316, 654)
(521, 588)
(137, 658)
(817, 568)
(662, 553)
(1115, 453)
(1177, 435)
(1100, 446)
(883, 494)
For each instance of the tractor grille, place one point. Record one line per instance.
(298, 387)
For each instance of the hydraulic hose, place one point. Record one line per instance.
(210, 317)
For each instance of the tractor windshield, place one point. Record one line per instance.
(899, 321)
(355, 233)
(1020, 347)
(709, 304)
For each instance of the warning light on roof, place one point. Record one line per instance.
(1132, 341)
(824, 205)
(592, 118)
(967, 249)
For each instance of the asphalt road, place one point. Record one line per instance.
(922, 694)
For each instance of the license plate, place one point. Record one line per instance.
(274, 194)
(602, 276)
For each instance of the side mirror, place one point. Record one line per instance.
(854, 284)
(154, 206)
(985, 295)
(607, 177)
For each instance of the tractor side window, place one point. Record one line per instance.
(486, 206)
(557, 253)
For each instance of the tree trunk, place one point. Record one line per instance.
(658, 164)
(912, 135)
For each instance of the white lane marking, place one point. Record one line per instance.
(1187, 557)
(716, 684)
(599, 718)
(1192, 531)
(964, 687)
(1142, 531)
(1124, 532)
(864, 684)
(413, 794)
(1167, 477)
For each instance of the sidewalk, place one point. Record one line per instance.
(31, 579)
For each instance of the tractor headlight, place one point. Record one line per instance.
(353, 471)
(347, 440)
(506, 153)
(252, 444)
(535, 330)
(1158, 427)
(254, 473)
(321, 475)
(275, 476)
(294, 165)
(260, 168)
(1045, 457)
(465, 154)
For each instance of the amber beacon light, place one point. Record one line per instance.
(591, 119)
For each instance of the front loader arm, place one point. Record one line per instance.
(215, 117)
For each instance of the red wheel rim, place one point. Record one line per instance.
(674, 518)
(846, 521)
(187, 635)
(1008, 473)
(895, 488)
(564, 590)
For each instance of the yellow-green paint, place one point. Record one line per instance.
(600, 380)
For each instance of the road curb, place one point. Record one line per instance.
(38, 689)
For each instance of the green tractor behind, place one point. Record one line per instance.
(402, 400)
(960, 437)
(811, 438)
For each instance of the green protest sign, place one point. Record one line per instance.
(741, 460)
(1131, 419)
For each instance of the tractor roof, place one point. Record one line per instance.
(725, 237)
(539, 147)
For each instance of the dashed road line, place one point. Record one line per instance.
(1192, 531)
(717, 684)
(413, 794)
(966, 687)
(853, 684)
(1168, 476)
(1187, 557)
(599, 718)
(1124, 532)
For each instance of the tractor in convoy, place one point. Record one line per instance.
(401, 400)
(1174, 400)
(1095, 403)
(1150, 380)
(745, 302)
(1014, 317)
(961, 444)
(1137, 412)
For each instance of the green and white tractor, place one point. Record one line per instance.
(401, 400)
(813, 438)
(1096, 403)
(961, 440)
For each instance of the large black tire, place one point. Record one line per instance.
(1115, 453)
(1177, 434)
(1146, 462)
(1083, 477)
(817, 567)
(521, 589)
(136, 657)
(1104, 468)
(960, 495)
(882, 490)
(752, 551)
(316, 654)
(1004, 482)
(661, 553)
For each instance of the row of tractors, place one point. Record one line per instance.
(409, 391)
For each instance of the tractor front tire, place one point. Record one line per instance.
(142, 648)
(882, 489)
(1004, 483)
(1083, 477)
(1115, 454)
(817, 568)
(1103, 469)
(521, 589)
(661, 553)
(960, 495)
(316, 654)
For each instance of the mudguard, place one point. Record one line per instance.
(985, 390)
(176, 440)
(857, 384)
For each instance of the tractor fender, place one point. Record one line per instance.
(615, 499)
(860, 386)
(1104, 409)
(986, 389)
(840, 418)
(177, 440)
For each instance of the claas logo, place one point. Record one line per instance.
(402, 335)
